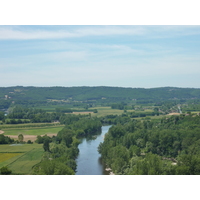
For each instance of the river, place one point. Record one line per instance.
(89, 159)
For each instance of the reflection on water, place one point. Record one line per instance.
(89, 159)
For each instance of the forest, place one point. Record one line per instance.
(168, 147)
(103, 95)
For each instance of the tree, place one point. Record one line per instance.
(20, 138)
(67, 138)
(134, 150)
(156, 111)
(46, 144)
(5, 171)
(39, 139)
(1, 115)
(29, 142)
(54, 167)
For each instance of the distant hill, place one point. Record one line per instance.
(98, 93)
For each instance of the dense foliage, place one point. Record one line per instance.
(41, 95)
(145, 147)
(5, 171)
(5, 139)
(62, 150)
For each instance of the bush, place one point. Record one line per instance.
(5, 171)
(29, 142)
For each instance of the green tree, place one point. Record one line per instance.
(39, 139)
(29, 142)
(20, 138)
(46, 144)
(5, 171)
(54, 167)
(1, 115)
(134, 150)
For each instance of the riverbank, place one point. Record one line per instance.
(109, 170)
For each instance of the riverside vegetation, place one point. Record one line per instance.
(170, 146)
(57, 154)
(144, 138)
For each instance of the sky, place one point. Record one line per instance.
(137, 56)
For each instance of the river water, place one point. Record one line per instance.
(89, 159)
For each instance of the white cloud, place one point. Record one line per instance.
(19, 33)
(33, 33)
(98, 61)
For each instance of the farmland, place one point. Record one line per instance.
(20, 158)
(32, 131)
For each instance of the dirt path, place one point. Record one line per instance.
(1, 132)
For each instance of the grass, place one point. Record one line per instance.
(195, 112)
(33, 131)
(20, 163)
(29, 125)
(6, 148)
(24, 164)
(103, 111)
(7, 156)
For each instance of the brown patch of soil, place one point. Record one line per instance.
(174, 114)
(1, 132)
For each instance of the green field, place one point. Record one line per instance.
(21, 158)
(32, 131)
(7, 156)
(103, 111)
(29, 125)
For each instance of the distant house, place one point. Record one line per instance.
(56, 121)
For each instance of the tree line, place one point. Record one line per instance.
(62, 150)
(99, 94)
(170, 146)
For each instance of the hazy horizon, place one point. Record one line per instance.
(100, 86)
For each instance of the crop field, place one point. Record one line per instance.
(29, 125)
(52, 108)
(7, 156)
(103, 111)
(33, 131)
(195, 112)
(20, 158)
(24, 164)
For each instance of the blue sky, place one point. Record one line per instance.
(124, 56)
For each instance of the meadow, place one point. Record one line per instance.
(32, 131)
(29, 125)
(103, 111)
(20, 158)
